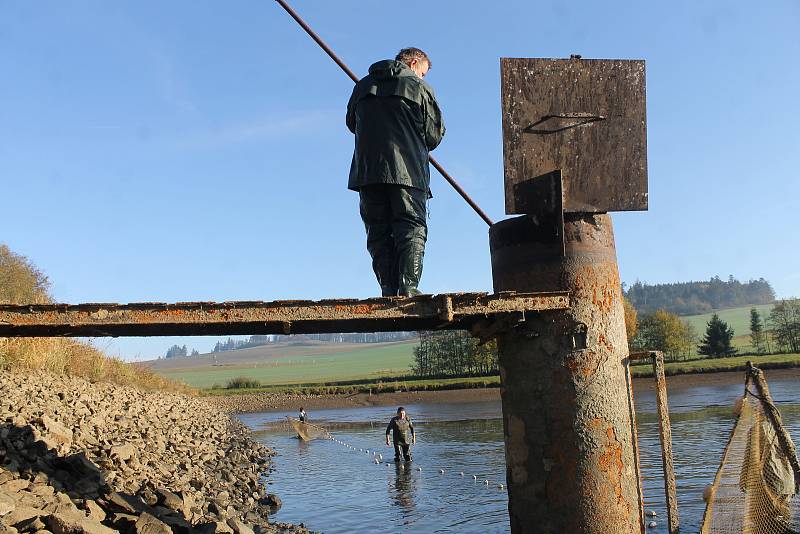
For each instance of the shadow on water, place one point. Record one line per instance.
(334, 489)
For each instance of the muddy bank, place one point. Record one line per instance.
(266, 402)
(270, 402)
(77, 457)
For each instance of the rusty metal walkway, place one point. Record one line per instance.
(469, 311)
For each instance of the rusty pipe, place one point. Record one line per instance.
(436, 165)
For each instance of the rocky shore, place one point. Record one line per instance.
(80, 457)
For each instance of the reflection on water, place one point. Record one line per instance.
(335, 489)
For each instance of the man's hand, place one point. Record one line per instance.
(414, 439)
(387, 442)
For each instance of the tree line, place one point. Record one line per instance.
(453, 353)
(176, 351)
(689, 298)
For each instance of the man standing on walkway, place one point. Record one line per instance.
(397, 122)
(400, 427)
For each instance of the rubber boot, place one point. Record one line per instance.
(388, 291)
(409, 264)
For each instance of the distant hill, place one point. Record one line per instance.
(691, 298)
(260, 341)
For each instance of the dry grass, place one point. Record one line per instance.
(74, 358)
(21, 282)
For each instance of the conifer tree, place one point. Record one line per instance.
(717, 341)
(757, 337)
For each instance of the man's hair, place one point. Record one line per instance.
(401, 409)
(407, 55)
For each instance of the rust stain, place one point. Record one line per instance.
(582, 363)
(602, 340)
(175, 312)
(359, 309)
(611, 464)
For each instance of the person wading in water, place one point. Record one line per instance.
(400, 427)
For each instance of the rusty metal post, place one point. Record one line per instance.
(665, 433)
(570, 457)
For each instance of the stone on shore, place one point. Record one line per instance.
(80, 457)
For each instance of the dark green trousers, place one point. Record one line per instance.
(394, 217)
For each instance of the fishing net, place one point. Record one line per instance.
(754, 491)
(307, 431)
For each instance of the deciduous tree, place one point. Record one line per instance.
(785, 319)
(666, 332)
(631, 320)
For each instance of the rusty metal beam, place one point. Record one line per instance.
(385, 314)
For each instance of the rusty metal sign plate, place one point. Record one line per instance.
(584, 117)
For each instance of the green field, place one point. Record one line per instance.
(321, 364)
(737, 318)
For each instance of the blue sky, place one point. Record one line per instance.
(188, 150)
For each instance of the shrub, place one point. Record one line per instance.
(242, 382)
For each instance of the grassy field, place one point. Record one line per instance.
(737, 318)
(323, 363)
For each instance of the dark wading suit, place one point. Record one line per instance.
(400, 430)
(397, 121)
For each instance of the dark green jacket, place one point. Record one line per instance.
(397, 121)
(400, 429)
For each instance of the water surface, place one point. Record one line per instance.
(336, 489)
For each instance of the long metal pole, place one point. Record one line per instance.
(292, 13)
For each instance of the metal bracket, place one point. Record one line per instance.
(487, 330)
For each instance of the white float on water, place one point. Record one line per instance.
(651, 513)
(652, 524)
(441, 471)
(419, 469)
(500, 486)
(486, 482)
(474, 477)
(461, 473)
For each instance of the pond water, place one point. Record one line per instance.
(335, 489)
